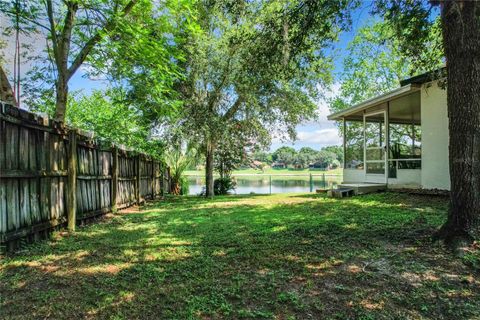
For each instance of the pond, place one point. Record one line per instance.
(265, 184)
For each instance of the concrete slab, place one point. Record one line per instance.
(364, 188)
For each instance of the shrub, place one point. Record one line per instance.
(222, 186)
(335, 164)
(184, 186)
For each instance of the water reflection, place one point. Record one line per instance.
(277, 184)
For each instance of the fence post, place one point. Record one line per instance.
(114, 178)
(162, 181)
(137, 180)
(169, 181)
(324, 182)
(311, 183)
(154, 179)
(270, 184)
(72, 180)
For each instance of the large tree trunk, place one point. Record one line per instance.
(175, 187)
(210, 153)
(461, 35)
(61, 99)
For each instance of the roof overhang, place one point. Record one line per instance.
(426, 77)
(394, 94)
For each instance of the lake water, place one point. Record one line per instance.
(260, 184)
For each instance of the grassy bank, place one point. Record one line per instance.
(288, 256)
(270, 171)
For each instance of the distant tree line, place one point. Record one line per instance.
(287, 157)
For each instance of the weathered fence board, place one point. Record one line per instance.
(35, 177)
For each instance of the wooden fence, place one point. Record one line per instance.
(51, 175)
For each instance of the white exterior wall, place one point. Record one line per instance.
(435, 170)
(353, 176)
(406, 178)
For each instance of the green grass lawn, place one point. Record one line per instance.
(288, 256)
(270, 171)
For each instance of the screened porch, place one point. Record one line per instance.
(383, 139)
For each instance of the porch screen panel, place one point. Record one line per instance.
(354, 145)
(405, 142)
(374, 137)
(405, 134)
(375, 142)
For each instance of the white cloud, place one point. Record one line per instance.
(322, 137)
(311, 136)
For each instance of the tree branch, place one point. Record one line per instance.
(24, 17)
(233, 109)
(66, 35)
(53, 30)
(82, 55)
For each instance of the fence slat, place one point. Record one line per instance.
(3, 206)
(52, 176)
(72, 181)
(114, 184)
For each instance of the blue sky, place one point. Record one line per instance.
(312, 134)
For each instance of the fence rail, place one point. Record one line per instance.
(50, 175)
(259, 183)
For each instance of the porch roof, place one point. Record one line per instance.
(355, 112)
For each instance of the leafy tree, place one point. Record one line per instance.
(257, 62)
(335, 164)
(285, 155)
(178, 157)
(305, 156)
(460, 25)
(263, 156)
(337, 150)
(231, 154)
(76, 31)
(153, 65)
(111, 118)
(326, 158)
(236, 144)
(375, 64)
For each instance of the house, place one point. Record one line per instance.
(319, 165)
(399, 139)
(6, 92)
(255, 164)
(279, 165)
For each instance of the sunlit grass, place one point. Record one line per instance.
(288, 256)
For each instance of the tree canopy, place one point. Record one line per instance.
(132, 42)
(256, 66)
(110, 117)
(330, 156)
(375, 62)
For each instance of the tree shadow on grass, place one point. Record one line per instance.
(229, 259)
